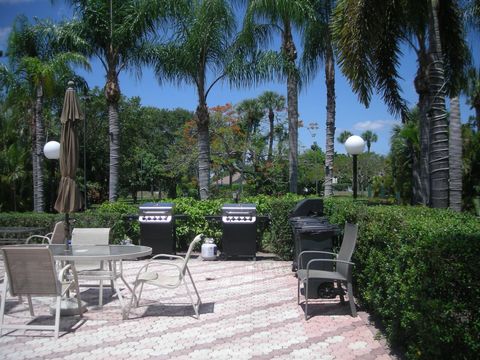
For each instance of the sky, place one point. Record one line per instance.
(351, 115)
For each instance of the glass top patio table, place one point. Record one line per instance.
(98, 252)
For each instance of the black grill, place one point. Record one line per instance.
(239, 225)
(312, 231)
(157, 226)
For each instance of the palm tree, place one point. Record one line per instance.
(318, 49)
(271, 102)
(113, 32)
(251, 112)
(369, 137)
(455, 156)
(205, 34)
(368, 39)
(36, 66)
(344, 135)
(282, 15)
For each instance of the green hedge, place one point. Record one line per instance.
(417, 270)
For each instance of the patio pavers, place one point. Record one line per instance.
(249, 311)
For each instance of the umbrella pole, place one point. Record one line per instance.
(67, 228)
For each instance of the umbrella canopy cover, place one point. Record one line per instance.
(69, 199)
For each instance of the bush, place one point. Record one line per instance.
(416, 270)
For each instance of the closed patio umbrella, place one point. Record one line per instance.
(69, 199)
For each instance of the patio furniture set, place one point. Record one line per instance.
(55, 269)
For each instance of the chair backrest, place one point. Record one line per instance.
(31, 271)
(347, 247)
(58, 234)
(194, 242)
(90, 236)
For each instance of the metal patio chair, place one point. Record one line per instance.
(92, 270)
(341, 273)
(30, 271)
(167, 275)
(57, 236)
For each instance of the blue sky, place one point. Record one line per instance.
(351, 115)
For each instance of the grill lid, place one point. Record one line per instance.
(158, 208)
(239, 209)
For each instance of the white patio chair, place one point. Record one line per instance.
(30, 271)
(92, 270)
(57, 236)
(342, 273)
(167, 275)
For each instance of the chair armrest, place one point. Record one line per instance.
(329, 260)
(44, 238)
(61, 273)
(167, 256)
(299, 261)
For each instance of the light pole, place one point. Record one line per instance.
(51, 151)
(354, 146)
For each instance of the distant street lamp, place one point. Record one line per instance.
(51, 150)
(354, 146)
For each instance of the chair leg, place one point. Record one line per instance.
(340, 289)
(57, 316)
(100, 294)
(2, 306)
(305, 286)
(30, 305)
(298, 291)
(351, 300)
(139, 295)
(196, 306)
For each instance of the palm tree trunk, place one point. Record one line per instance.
(422, 89)
(455, 158)
(330, 130)
(288, 48)
(38, 201)
(438, 115)
(271, 119)
(203, 150)
(112, 94)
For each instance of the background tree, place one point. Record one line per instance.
(267, 17)
(271, 102)
(369, 137)
(36, 66)
(318, 50)
(344, 135)
(374, 65)
(113, 32)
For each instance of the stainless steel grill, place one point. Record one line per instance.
(239, 224)
(157, 226)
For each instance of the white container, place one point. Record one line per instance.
(209, 249)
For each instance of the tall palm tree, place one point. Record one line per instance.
(318, 49)
(344, 135)
(204, 46)
(282, 16)
(455, 156)
(369, 137)
(37, 66)
(368, 38)
(272, 102)
(113, 32)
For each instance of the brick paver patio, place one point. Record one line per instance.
(249, 311)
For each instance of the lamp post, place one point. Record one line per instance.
(51, 150)
(354, 146)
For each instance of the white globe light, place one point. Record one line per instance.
(354, 145)
(51, 150)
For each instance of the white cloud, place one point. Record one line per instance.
(374, 124)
